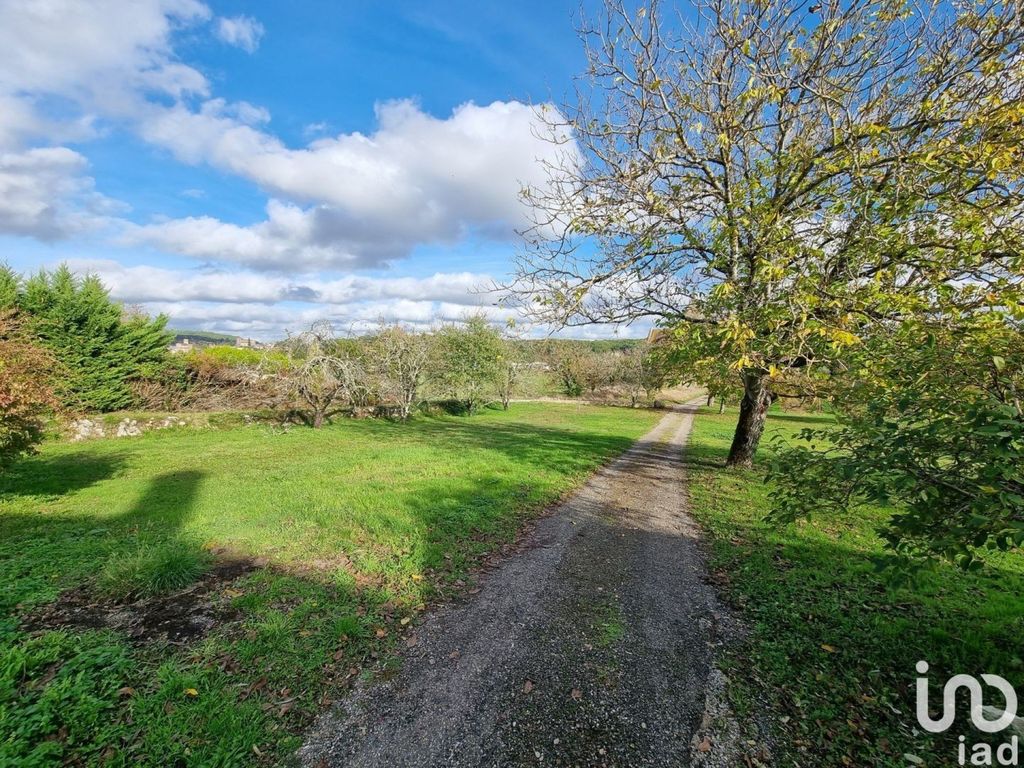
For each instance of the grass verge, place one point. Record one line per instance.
(347, 533)
(832, 645)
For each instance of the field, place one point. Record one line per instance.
(217, 587)
(832, 645)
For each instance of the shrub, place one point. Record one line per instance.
(26, 394)
(152, 569)
(102, 346)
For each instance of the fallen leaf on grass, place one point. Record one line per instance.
(405, 620)
(381, 633)
(828, 648)
(191, 692)
(126, 691)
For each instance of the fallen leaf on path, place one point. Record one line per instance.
(528, 686)
(705, 745)
(576, 694)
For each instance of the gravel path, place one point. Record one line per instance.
(592, 647)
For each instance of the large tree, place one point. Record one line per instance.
(781, 175)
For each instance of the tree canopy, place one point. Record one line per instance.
(784, 176)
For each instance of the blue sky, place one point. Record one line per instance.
(250, 167)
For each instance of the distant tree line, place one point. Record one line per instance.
(66, 347)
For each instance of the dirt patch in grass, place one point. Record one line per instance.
(177, 618)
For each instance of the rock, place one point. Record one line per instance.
(128, 428)
(86, 429)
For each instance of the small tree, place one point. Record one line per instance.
(319, 375)
(26, 394)
(465, 360)
(510, 367)
(567, 363)
(641, 370)
(400, 358)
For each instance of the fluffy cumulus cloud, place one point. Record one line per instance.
(44, 193)
(72, 70)
(370, 198)
(240, 31)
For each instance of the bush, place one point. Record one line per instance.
(26, 395)
(152, 569)
(101, 346)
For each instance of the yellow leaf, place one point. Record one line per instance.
(828, 648)
(191, 692)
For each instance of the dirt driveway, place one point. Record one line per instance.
(592, 647)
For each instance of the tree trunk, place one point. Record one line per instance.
(711, 400)
(721, 405)
(318, 418)
(753, 411)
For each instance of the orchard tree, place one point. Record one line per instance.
(782, 175)
(641, 371)
(321, 374)
(27, 371)
(400, 358)
(465, 360)
(510, 369)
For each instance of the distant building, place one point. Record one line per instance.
(249, 343)
(181, 347)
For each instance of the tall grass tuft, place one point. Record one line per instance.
(152, 569)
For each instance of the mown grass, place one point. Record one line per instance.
(832, 644)
(356, 526)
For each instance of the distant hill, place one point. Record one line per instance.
(203, 338)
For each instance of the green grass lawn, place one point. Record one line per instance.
(832, 646)
(352, 528)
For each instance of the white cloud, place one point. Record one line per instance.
(240, 31)
(349, 200)
(44, 193)
(75, 69)
(416, 179)
(139, 284)
(98, 54)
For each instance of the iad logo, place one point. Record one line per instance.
(1003, 718)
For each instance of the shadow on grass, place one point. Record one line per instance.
(286, 624)
(60, 474)
(833, 641)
